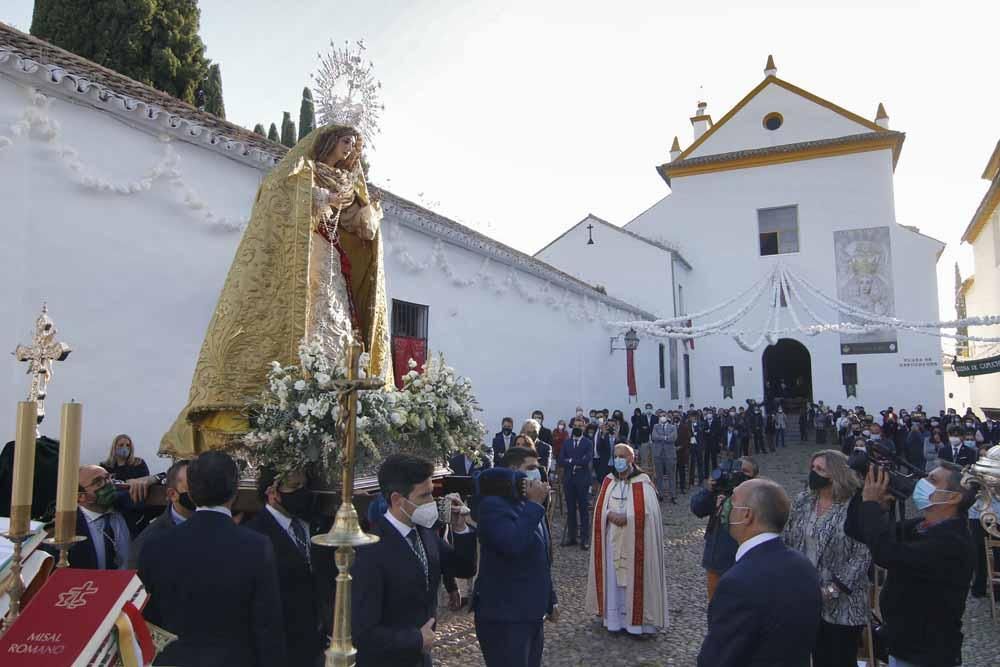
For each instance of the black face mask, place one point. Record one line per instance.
(506, 431)
(577, 432)
(186, 501)
(298, 503)
(817, 481)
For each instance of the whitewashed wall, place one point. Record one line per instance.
(131, 282)
(628, 268)
(803, 120)
(718, 212)
(983, 298)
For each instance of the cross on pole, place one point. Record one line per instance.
(346, 533)
(44, 350)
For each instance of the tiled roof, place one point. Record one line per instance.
(638, 237)
(39, 63)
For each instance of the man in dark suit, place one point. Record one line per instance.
(766, 608)
(575, 464)
(504, 439)
(959, 452)
(180, 507)
(514, 590)
(603, 444)
(305, 571)
(395, 591)
(99, 519)
(463, 466)
(213, 583)
(544, 434)
(713, 441)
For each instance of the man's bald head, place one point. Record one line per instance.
(625, 451)
(768, 503)
(89, 473)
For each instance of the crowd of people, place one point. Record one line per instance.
(788, 573)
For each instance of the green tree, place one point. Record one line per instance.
(287, 130)
(259, 129)
(272, 134)
(155, 42)
(212, 90)
(307, 113)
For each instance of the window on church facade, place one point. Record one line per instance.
(849, 374)
(778, 229)
(687, 376)
(409, 337)
(728, 377)
(663, 374)
(674, 384)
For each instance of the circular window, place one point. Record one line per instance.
(772, 121)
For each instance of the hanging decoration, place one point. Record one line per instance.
(347, 92)
(783, 290)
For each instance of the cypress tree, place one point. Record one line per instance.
(307, 113)
(272, 134)
(213, 92)
(259, 129)
(155, 42)
(287, 130)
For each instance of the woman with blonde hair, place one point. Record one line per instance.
(122, 462)
(816, 529)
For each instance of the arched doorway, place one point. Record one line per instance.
(787, 370)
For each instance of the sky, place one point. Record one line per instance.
(518, 118)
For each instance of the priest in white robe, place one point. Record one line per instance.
(626, 583)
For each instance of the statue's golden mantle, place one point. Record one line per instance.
(262, 313)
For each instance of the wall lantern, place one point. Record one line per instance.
(631, 342)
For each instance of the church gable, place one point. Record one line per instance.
(778, 113)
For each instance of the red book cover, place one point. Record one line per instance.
(70, 618)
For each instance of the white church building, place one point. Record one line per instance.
(123, 207)
(783, 177)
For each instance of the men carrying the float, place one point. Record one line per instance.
(626, 583)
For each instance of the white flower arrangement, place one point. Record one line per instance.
(296, 422)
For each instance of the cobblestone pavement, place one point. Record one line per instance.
(579, 640)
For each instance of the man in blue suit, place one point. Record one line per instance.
(575, 460)
(504, 439)
(514, 592)
(766, 609)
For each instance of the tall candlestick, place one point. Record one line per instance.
(71, 425)
(24, 467)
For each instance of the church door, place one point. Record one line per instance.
(787, 371)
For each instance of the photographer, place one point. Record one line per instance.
(720, 548)
(514, 591)
(929, 563)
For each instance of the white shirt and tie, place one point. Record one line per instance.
(113, 524)
(296, 529)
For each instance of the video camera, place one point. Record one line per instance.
(728, 476)
(903, 476)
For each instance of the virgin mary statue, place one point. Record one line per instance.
(309, 267)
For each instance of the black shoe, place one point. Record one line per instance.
(584, 546)
(673, 501)
(567, 542)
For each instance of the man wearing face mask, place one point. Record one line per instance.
(957, 451)
(514, 594)
(395, 591)
(626, 583)
(664, 458)
(98, 518)
(929, 562)
(576, 460)
(766, 609)
(180, 507)
(502, 440)
(305, 572)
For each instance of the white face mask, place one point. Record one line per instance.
(425, 515)
(954, 440)
(663, 420)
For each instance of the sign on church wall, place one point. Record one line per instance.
(864, 280)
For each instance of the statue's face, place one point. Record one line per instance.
(343, 150)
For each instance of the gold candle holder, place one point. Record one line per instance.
(17, 585)
(346, 533)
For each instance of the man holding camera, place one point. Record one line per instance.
(720, 548)
(929, 564)
(514, 593)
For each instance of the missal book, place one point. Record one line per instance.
(76, 620)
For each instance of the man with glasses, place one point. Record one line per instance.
(98, 519)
